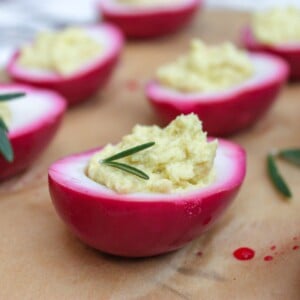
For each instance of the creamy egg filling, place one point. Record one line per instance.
(206, 68)
(148, 2)
(63, 52)
(278, 25)
(181, 159)
(5, 113)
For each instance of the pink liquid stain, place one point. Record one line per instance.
(244, 253)
(132, 85)
(199, 253)
(268, 258)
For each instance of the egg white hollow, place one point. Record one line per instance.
(108, 37)
(267, 69)
(115, 7)
(230, 166)
(288, 47)
(32, 110)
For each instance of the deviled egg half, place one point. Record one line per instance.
(148, 18)
(276, 31)
(152, 193)
(75, 62)
(32, 121)
(227, 88)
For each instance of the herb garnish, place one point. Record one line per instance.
(110, 161)
(290, 155)
(10, 96)
(5, 145)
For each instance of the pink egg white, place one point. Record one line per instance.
(142, 224)
(83, 83)
(35, 120)
(149, 21)
(290, 52)
(229, 111)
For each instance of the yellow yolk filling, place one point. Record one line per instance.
(206, 68)
(181, 159)
(62, 52)
(278, 25)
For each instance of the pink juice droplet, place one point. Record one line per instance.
(132, 85)
(268, 258)
(296, 247)
(273, 247)
(244, 253)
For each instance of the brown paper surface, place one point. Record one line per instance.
(41, 259)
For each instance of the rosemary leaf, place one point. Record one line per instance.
(291, 155)
(5, 146)
(127, 168)
(3, 125)
(128, 152)
(5, 97)
(276, 177)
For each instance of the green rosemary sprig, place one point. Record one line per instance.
(128, 152)
(290, 155)
(110, 161)
(276, 177)
(10, 96)
(128, 169)
(3, 125)
(5, 145)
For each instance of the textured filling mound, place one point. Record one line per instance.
(276, 26)
(63, 52)
(207, 68)
(181, 159)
